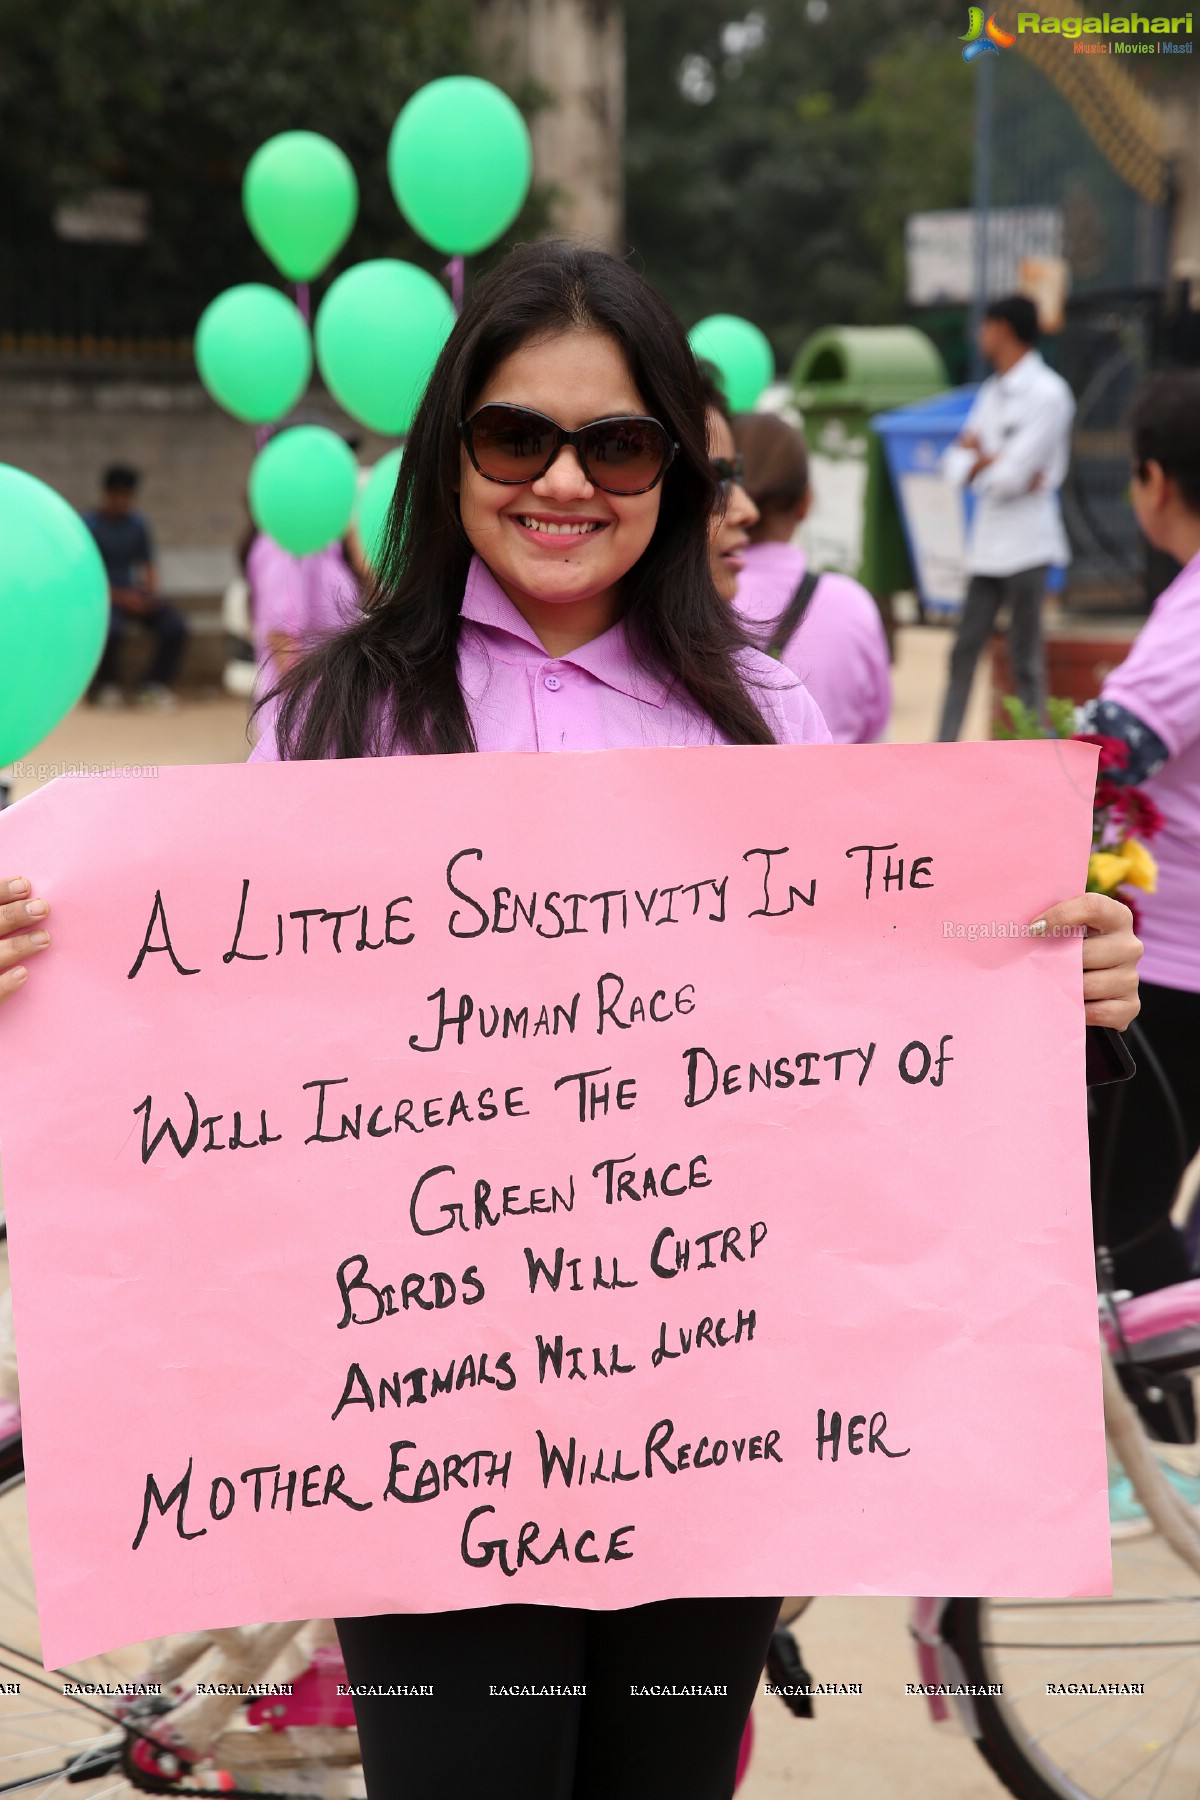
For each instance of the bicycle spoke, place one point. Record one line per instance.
(1191, 1713)
(56, 1781)
(51, 1739)
(78, 1743)
(1074, 1719)
(1123, 1728)
(1147, 1747)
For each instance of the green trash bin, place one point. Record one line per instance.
(843, 375)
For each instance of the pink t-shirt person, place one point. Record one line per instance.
(839, 651)
(300, 596)
(1159, 682)
(596, 698)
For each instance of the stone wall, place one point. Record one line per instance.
(64, 422)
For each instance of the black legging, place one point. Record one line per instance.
(1140, 1146)
(613, 1744)
(1136, 1162)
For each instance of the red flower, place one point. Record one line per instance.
(1109, 794)
(1139, 815)
(1114, 752)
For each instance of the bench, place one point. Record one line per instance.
(194, 579)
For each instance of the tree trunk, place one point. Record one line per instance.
(574, 50)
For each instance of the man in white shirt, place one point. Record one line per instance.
(1013, 454)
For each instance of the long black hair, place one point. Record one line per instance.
(391, 677)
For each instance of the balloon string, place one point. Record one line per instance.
(302, 301)
(455, 272)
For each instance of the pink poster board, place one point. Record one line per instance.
(578, 1179)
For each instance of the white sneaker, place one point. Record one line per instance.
(109, 697)
(157, 698)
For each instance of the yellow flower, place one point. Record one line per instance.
(1142, 871)
(1107, 870)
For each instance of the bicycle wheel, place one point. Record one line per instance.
(54, 1744)
(46, 1735)
(1054, 1733)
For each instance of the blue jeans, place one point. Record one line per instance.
(166, 626)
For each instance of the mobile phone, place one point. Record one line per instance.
(1107, 1056)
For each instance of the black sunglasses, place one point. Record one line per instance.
(729, 471)
(513, 444)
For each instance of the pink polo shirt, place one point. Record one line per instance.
(839, 652)
(297, 595)
(1159, 682)
(596, 698)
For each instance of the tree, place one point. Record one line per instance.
(171, 98)
(772, 159)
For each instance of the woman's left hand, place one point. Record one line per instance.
(1110, 956)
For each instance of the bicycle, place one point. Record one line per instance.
(1042, 1742)
(1040, 1747)
(274, 1746)
(1058, 1718)
(1037, 1743)
(191, 1722)
(1051, 1731)
(1010, 1674)
(1032, 1673)
(126, 1722)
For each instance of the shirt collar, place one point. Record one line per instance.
(608, 657)
(1025, 369)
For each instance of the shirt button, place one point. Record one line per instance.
(553, 683)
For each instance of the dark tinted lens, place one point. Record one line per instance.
(729, 470)
(624, 455)
(511, 445)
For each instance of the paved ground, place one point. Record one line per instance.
(861, 1748)
(877, 1746)
(213, 728)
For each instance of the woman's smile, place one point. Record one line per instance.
(558, 545)
(555, 529)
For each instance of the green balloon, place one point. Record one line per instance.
(53, 610)
(460, 163)
(300, 198)
(253, 352)
(302, 487)
(374, 504)
(741, 354)
(379, 331)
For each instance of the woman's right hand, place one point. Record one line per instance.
(22, 932)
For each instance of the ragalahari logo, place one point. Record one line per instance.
(980, 39)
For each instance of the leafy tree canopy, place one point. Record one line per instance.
(772, 157)
(772, 154)
(171, 98)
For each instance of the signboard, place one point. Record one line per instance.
(940, 251)
(431, 1181)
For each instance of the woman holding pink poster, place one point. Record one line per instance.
(546, 585)
(1145, 1133)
